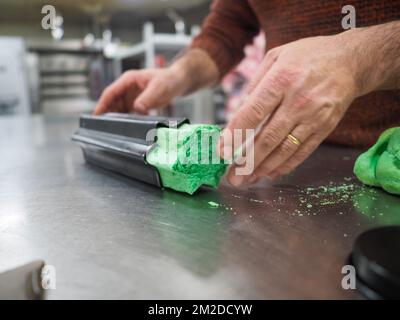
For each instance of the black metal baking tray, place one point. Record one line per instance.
(120, 142)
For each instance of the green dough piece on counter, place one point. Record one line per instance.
(186, 158)
(213, 204)
(380, 165)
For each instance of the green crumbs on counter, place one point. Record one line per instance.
(380, 165)
(213, 204)
(186, 158)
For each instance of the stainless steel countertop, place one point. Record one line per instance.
(111, 237)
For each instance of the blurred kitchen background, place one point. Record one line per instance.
(64, 70)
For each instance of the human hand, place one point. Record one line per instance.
(140, 91)
(305, 88)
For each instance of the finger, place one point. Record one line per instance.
(265, 66)
(235, 180)
(130, 97)
(232, 178)
(114, 91)
(264, 99)
(272, 135)
(305, 149)
(298, 157)
(155, 95)
(117, 106)
(285, 150)
(273, 138)
(253, 179)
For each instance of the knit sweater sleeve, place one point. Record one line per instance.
(229, 27)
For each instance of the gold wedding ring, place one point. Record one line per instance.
(292, 138)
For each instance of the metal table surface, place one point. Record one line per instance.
(112, 237)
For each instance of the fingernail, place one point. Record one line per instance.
(247, 179)
(253, 178)
(273, 176)
(237, 181)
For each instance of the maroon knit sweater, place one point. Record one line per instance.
(232, 24)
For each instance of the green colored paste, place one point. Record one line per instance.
(186, 158)
(380, 165)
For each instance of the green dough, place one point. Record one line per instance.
(380, 165)
(186, 158)
(213, 204)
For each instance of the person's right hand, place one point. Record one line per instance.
(140, 91)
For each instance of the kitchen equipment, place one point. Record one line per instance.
(23, 283)
(120, 142)
(375, 257)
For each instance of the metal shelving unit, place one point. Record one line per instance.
(147, 49)
(65, 76)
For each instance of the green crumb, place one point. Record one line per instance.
(330, 194)
(213, 204)
(325, 203)
(186, 157)
(256, 200)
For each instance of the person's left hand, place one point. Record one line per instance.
(305, 88)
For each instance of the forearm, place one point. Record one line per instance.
(377, 56)
(195, 70)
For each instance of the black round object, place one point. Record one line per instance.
(376, 259)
